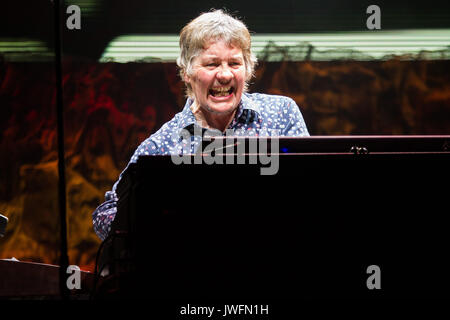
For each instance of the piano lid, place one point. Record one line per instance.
(336, 144)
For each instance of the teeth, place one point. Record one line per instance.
(221, 91)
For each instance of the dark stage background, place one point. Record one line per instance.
(109, 108)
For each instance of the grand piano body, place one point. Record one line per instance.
(335, 207)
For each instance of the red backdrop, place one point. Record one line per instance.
(110, 108)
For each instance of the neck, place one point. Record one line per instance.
(210, 120)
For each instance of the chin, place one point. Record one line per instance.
(223, 106)
(222, 109)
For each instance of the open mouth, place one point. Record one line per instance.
(221, 92)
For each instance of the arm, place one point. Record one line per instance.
(296, 126)
(105, 213)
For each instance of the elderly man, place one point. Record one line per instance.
(216, 63)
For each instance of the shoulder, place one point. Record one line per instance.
(279, 112)
(160, 141)
(271, 103)
(167, 129)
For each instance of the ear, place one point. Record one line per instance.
(187, 79)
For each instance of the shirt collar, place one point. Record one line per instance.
(188, 119)
(248, 103)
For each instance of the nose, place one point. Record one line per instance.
(224, 75)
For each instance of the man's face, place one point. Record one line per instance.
(218, 79)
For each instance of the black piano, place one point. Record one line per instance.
(336, 208)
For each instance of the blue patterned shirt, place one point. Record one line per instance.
(257, 115)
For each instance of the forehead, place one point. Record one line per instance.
(221, 49)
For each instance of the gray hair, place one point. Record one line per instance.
(212, 26)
